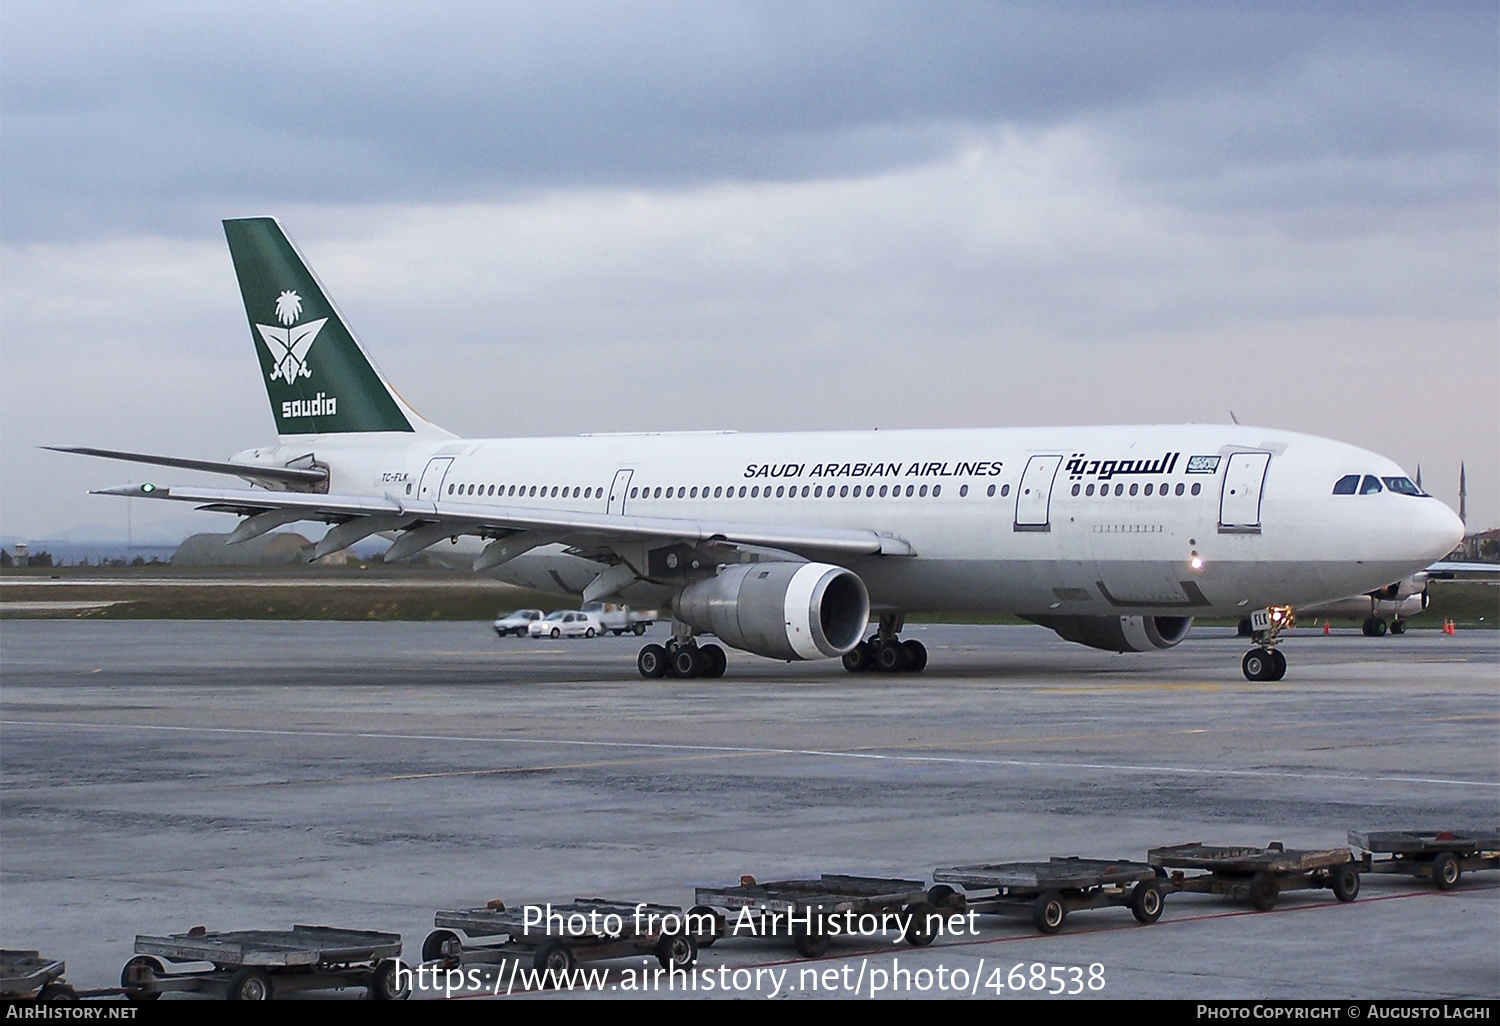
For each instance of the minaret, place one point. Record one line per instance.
(1463, 496)
(1419, 477)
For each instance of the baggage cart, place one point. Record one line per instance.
(27, 976)
(1048, 891)
(1442, 856)
(1257, 875)
(811, 912)
(559, 936)
(256, 965)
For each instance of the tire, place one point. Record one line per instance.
(146, 969)
(707, 940)
(1380, 628)
(1368, 627)
(249, 985)
(687, 662)
(943, 896)
(57, 992)
(1447, 871)
(1048, 912)
(1146, 902)
(889, 657)
(651, 661)
(1264, 889)
(715, 662)
(916, 656)
(386, 983)
(589, 633)
(555, 958)
(678, 951)
(639, 629)
(433, 947)
(1344, 880)
(556, 633)
(1398, 626)
(809, 945)
(918, 934)
(1256, 664)
(857, 659)
(1278, 665)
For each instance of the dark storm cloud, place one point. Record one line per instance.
(120, 117)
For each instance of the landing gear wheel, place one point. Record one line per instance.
(810, 944)
(715, 662)
(678, 951)
(703, 914)
(687, 662)
(1446, 871)
(1344, 880)
(916, 656)
(442, 946)
(890, 657)
(138, 978)
(1278, 664)
(1398, 626)
(1258, 664)
(652, 662)
(919, 932)
(249, 985)
(1146, 902)
(1048, 912)
(386, 983)
(1264, 889)
(858, 658)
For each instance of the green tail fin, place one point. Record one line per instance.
(316, 374)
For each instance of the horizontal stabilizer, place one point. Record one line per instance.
(251, 472)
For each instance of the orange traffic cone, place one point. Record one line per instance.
(1448, 627)
(1326, 629)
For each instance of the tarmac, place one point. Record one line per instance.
(156, 775)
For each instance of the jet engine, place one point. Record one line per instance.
(780, 610)
(1119, 633)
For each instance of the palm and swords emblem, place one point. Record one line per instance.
(290, 341)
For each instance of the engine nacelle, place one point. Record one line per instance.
(781, 610)
(1119, 633)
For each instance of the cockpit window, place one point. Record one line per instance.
(1370, 486)
(1346, 485)
(1403, 485)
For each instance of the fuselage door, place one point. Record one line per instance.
(618, 490)
(432, 478)
(1034, 493)
(1239, 503)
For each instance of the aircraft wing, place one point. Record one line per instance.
(425, 523)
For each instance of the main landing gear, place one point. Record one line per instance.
(1266, 662)
(1375, 627)
(885, 652)
(681, 657)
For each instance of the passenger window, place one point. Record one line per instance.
(1346, 485)
(922, 491)
(634, 492)
(1132, 489)
(1005, 489)
(1076, 489)
(844, 491)
(963, 491)
(1089, 490)
(1371, 485)
(804, 491)
(1197, 488)
(991, 492)
(1148, 489)
(937, 490)
(1179, 488)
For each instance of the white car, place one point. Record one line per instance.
(516, 623)
(566, 623)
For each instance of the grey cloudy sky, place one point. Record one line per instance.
(756, 216)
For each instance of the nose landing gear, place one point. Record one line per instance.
(1265, 662)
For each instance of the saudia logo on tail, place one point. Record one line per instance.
(289, 344)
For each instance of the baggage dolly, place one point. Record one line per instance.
(806, 909)
(26, 976)
(1048, 891)
(256, 965)
(586, 930)
(1258, 875)
(1443, 856)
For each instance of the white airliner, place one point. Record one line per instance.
(784, 545)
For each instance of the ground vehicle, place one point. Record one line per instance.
(517, 623)
(566, 623)
(618, 619)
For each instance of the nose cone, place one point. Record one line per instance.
(1437, 531)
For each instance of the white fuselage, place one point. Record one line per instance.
(1184, 520)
